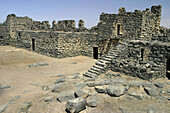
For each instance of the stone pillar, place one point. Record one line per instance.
(81, 24)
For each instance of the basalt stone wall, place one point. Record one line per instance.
(4, 35)
(57, 44)
(143, 59)
(76, 43)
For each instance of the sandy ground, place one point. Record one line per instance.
(25, 81)
(26, 85)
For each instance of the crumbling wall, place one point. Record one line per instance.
(143, 59)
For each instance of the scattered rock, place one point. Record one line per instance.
(150, 111)
(90, 79)
(49, 99)
(101, 89)
(122, 110)
(138, 95)
(160, 85)
(115, 90)
(80, 85)
(60, 80)
(4, 86)
(92, 101)
(59, 75)
(2, 109)
(76, 105)
(45, 87)
(74, 76)
(26, 106)
(81, 93)
(56, 87)
(38, 64)
(152, 91)
(65, 96)
(73, 62)
(13, 99)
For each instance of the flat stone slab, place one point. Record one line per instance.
(38, 64)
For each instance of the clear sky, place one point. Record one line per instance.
(88, 10)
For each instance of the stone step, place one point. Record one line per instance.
(91, 75)
(93, 71)
(98, 67)
(88, 75)
(106, 59)
(101, 64)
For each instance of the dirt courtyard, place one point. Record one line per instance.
(25, 81)
(27, 85)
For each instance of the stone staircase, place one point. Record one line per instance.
(103, 64)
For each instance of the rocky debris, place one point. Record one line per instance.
(115, 90)
(59, 75)
(38, 64)
(122, 110)
(152, 91)
(26, 106)
(98, 83)
(60, 80)
(49, 99)
(2, 109)
(90, 79)
(65, 96)
(150, 111)
(73, 62)
(82, 93)
(4, 86)
(101, 89)
(14, 99)
(158, 84)
(56, 87)
(92, 101)
(76, 105)
(80, 85)
(74, 76)
(138, 95)
(45, 87)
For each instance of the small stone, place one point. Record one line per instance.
(73, 62)
(121, 109)
(92, 101)
(4, 86)
(2, 109)
(38, 64)
(115, 90)
(59, 75)
(152, 91)
(56, 88)
(150, 111)
(100, 89)
(160, 85)
(60, 80)
(138, 95)
(82, 93)
(65, 96)
(49, 99)
(26, 106)
(76, 105)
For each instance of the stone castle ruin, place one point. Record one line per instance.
(132, 43)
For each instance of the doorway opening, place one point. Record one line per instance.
(33, 44)
(168, 68)
(118, 29)
(142, 53)
(95, 52)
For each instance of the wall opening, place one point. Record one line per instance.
(142, 53)
(95, 52)
(118, 29)
(33, 44)
(168, 68)
(1, 37)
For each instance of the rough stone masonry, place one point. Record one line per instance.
(133, 43)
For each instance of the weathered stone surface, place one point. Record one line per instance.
(92, 101)
(60, 80)
(65, 96)
(152, 91)
(38, 64)
(82, 93)
(4, 86)
(138, 95)
(101, 89)
(2, 109)
(115, 90)
(26, 106)
(74, 76)
(76, 105)
(49, 99)
(150, 111)
(56, 87)
(160, 85)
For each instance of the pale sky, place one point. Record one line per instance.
(88, 10)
